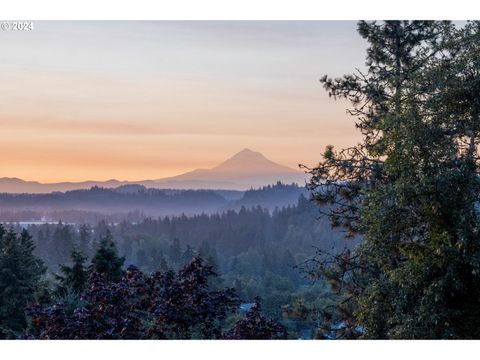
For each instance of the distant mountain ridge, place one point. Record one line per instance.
(125, 200)
(244, 170)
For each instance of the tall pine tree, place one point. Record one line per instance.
(411, 187)
(20, 275)
(73, 279)
(106, 260)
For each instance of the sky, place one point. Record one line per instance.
(146, 100)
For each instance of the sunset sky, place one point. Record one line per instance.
(146, 100)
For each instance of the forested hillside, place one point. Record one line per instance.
(134, 202)
(253, 250)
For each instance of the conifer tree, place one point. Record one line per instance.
(73, 278)
(84, 238)
(162, 264)
(106, 260)
(187, 255)
(62, 243)
(175, 251)
(411, 187)
(20, 275)
(212, 259)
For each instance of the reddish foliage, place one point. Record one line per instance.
(170, 305)
(256, 327)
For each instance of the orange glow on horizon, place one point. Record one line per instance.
(152, 100)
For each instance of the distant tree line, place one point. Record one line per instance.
(134, 202)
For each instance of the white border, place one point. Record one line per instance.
(252, 10)
(239, 10)
(237, 350)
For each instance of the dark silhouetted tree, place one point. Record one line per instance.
(85, 233)
(106, 260)
(411, 187)
(188, 255)
(175, 251)
(73, 278)
(20, 275)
